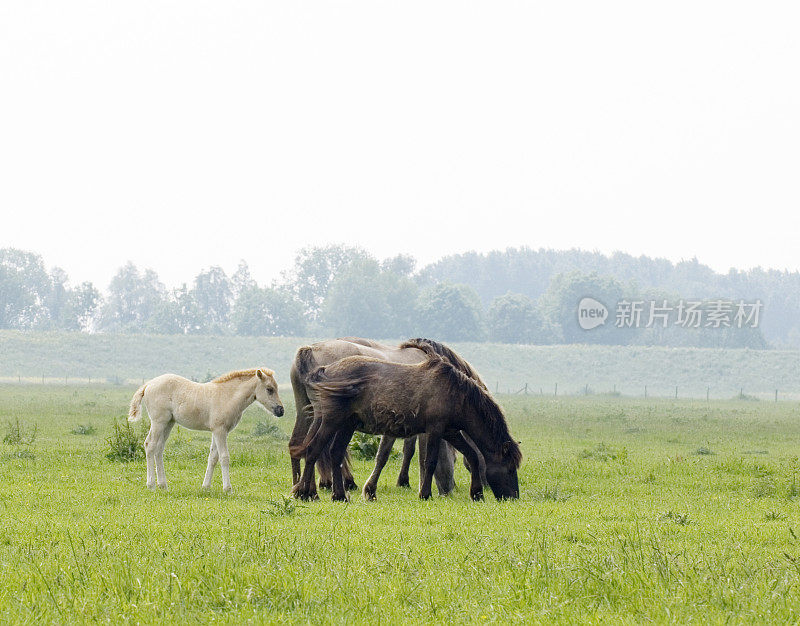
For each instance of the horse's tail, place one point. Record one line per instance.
(340, 388)
(304, 362)
(135, 412)
(429, 347)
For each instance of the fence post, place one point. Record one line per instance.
(645, 391)
(776, 395)
(556, 392)
(676, 392)
(526, 389)
(708, 393)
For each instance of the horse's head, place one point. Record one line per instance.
(501, 472)
(267, 392)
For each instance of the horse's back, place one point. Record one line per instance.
(166, 392)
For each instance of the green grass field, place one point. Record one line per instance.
(630, 510)
(79, 357)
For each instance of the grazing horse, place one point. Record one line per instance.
(216, 406)
(432, 397)
(326, 352)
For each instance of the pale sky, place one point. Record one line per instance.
(185, 134)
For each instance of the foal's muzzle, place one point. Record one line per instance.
(278, 410)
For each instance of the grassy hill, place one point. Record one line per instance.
(626, 369)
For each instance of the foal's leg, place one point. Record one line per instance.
(160, 443)
(431, 460)
(338, 448)
(409, 446)
(471, 455)
(149, 453)
(213, 457)
(220, 438)
(384, 450)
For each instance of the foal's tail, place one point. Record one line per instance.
(135, 413)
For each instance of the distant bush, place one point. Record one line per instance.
(17, 435)
(604, 453)
(83, 429)
(364, 446)
(269, 429)
(124, 443)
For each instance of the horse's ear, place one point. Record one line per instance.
(261, 375)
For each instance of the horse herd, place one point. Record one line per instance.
(421, 391)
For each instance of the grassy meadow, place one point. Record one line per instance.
(631, 510)
(575, 369)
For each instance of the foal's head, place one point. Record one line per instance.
(267, 391)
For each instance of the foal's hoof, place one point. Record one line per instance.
(369, 492)
(164, 487)
(350, 485)
(228, 490)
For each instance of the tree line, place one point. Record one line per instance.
(515, 296)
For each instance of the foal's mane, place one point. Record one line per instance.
(242, 374)
(478, 398)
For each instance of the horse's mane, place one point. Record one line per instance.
(429, 347)
(479, 399)
(242, 374)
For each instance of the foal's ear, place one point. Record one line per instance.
(261, 375)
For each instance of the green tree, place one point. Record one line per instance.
(25, 287)
(268, 312)
(514, 318)
(559, 306)
(133, 297)
(450, 312)
(212, 294)
(314, 271)
(370, 301)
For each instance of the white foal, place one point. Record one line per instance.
(216, 406)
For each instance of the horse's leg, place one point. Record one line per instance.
(213, 457)
(431, 460)
(338, 448)
(306, 488)
(384, 450)
(220, 437)
(160, 443)
(347, 472)
(481, 460)
(445, 481)
(409, 446)
(325, 467)
(302, 421)
(422, 444)
(471, 455)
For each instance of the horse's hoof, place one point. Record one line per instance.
(350, 485)
(424, 496)
(326, 485)
(164, 487)
(369, 493)
(151, 486)
(477, 496)
(340, 498)
(227, 490)
(303, 494)
(403, 482)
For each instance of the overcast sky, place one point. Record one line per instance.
(186, 134)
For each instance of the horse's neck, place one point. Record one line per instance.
(241, 391)
(480, 432)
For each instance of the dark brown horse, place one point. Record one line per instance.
(400, 400)
(326, 352)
